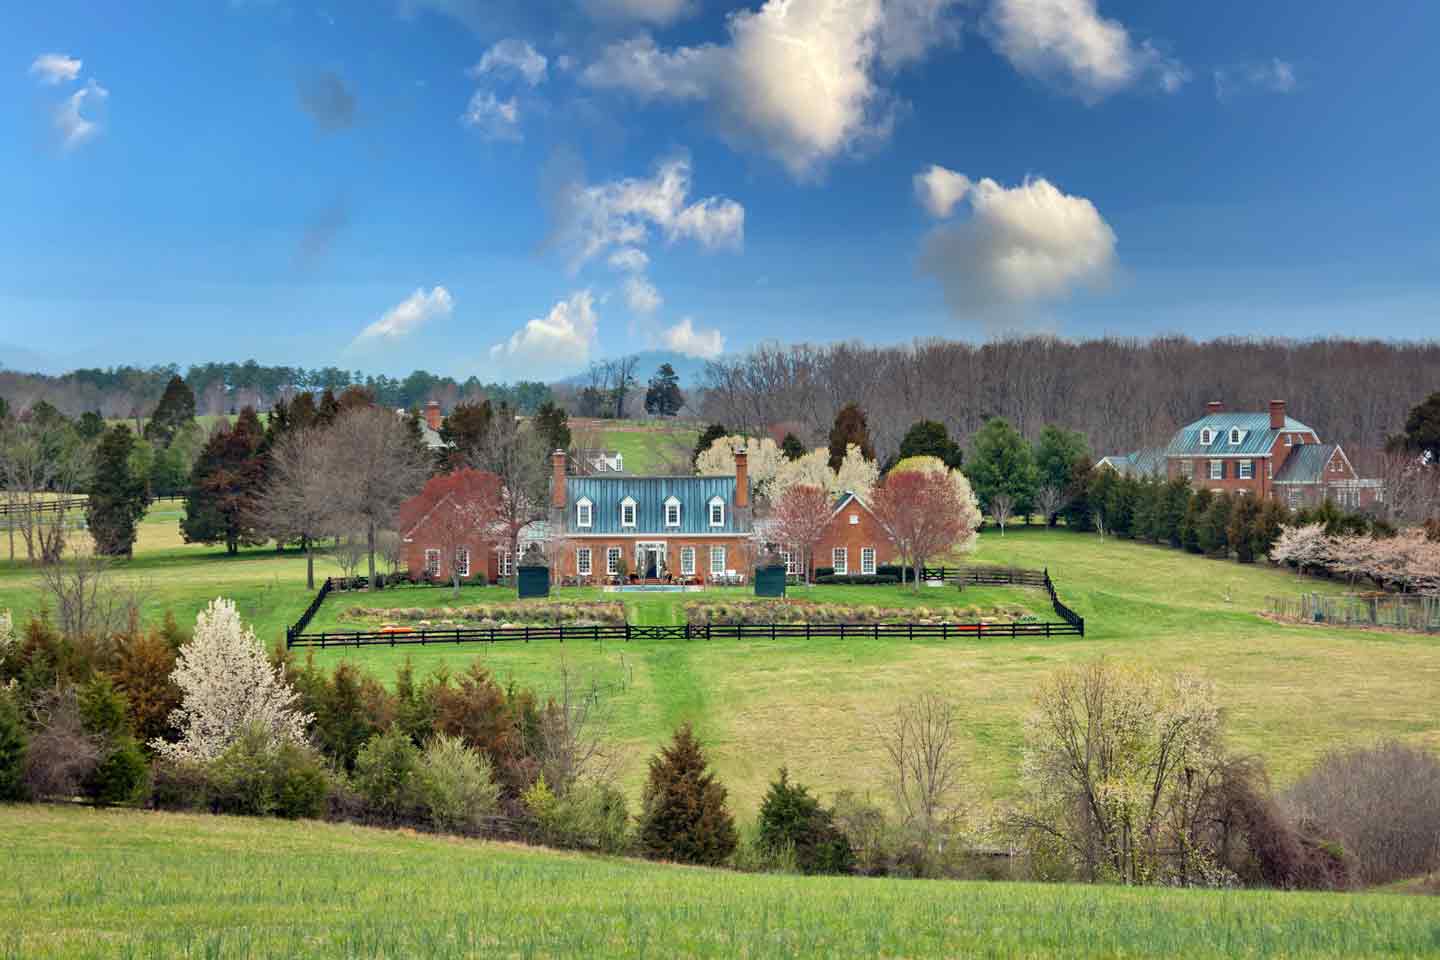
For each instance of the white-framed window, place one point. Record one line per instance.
(432, 563)
(1236, 435)
(1293, 496)
(612, 561)
(867, 560)
(507, 562)
(717, 512)
(1289, 439)
(1186, 468)
(627, 512)
(687, 561)
(854, 519)
(717, 560)
(1269, 469)
(1207, 436)
(582, 561)
(672, 512)
(1247, 469)
(792, 561)
(1217, 469)
(840, 560)
(462, 562)
(584, 512)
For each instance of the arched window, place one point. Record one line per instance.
(717, 512)
(672, 512)
(627, 512)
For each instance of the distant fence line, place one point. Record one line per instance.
(58, 505)
(1398, 611)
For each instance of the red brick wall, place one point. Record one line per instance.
(1258, 484)
(853, 537)
(738, 553)
(482, 555)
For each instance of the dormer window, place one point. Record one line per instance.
(1207, 436)
(717, 512)
(627, 512)
(584, 512)
(672, 512)
(1236, 435)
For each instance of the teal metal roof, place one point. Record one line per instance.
(1257, 438)
(1141, 463)
(1306, 463)
(650, 494)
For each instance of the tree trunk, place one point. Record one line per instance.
(370, 550)
(309, 564)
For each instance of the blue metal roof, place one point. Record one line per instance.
(650, 494)
(1306, 463)
(1257, 438)
(1142, 463)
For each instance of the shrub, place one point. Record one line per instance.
(179, 785)
(121, 774)
(454, 785)
(859, 579)
(258, 776)
(685, 817)
(1382, 803)
(384, 772)
(588, 817)
(791, 817)
(490, 719)
(349, 708)
(12, 749)
(62, 753)
(143, 665)
(120, 771)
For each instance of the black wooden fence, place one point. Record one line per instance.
(58, 505)
(986, 576)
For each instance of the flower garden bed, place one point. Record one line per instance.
(805, 611)
(519, 613)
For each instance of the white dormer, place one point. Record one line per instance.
(717, 512)
(1207, 436)
(584, 512)
(627, 512)
(1236, 435)
(672, 511)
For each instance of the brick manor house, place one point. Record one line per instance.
(1263, 454)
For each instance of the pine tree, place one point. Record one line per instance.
(790, 818)
(1214, 538)
(1002, 464)
(792, 447)
(685, 818)
(175, 410)
(1195, 512)
(118, 497)
(328, 409)
(225, 485)
(850, 428)
(1240, 531)
(928, 438)
(708, 436)
(552, 424)
(465, 432)
(663, 398)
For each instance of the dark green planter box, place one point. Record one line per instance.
(770, 581)
(534, 582)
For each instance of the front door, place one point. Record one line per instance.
(650, 560)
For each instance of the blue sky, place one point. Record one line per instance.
(509, 189)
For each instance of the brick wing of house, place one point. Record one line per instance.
(1267, 454)
(654, 528)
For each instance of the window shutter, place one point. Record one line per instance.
(1224, 469)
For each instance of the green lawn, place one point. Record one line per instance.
(83, 883)
(649, 448)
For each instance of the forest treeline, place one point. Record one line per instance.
(1121, 393)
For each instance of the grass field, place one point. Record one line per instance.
(90, 884)
(650, 447)
(1291, 692)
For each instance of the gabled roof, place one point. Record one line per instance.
(650, 493)
(1258, 438)
(1141, 463)
(1306, 463)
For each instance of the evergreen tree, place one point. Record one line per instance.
(1240, 531)
(1174, 501)
(1422, 428)
(328, 409)
(1149, 504)
(792, 447)
(707, 436)
(12, 749)
(225, 485)
(927, 438)
(1058, 453)
(90, 425)
(790, 818)
(685, 818)
(663, 398)
(465, 430)
(303, 413)
(1002, 463)
(552, 424)
(118, 497)
(850, 428)
(1266, 529)
(1214, 532)
(1195, 512)
(175, 410)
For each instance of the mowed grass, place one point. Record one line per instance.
(649, 448)
(83, 883)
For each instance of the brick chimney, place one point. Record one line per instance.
(432, 414)
(557, 479)
(1214, 407)
(742, 479)
(1277, 414)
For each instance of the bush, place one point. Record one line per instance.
(12, 749)
(121, 774)
(349, 708)
(385, 769)
(685, 817)
(62, 754)
(179, 785)
(1382, 803)
(258, 776)
(454, 785)
(791, 818)
(859, 579)
(143, 665)
(587, 817)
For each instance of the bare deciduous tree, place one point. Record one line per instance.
(89, 606)
(1049, 501)
(517, 455)
(298, 503)
(568, 741)
(41, 464)
(1002, 505)
(921, 744)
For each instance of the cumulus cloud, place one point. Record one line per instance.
(659, 12)
(1019, 245)
(798, 79)
(491, 117)
(75, 117)
(410, 315)
(324, 97)
(939, 190)
(556, 342)
(1272, 76)
(1068, 42)
(53, 69)
(641, 295)
(629, 259)
(684, 338)
(514, 55)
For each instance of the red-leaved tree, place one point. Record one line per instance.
(923, 515)
(460, 510)
(798, 520)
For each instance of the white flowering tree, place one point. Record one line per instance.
(1303, 547)
(856, 475)
(7, 634)
(763, 461)
(228, 687)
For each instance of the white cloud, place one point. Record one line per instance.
(1020, 245)
(75, 127)
(55, 68)
(939, 190)
(1272, 76)
(797, 79)
(641, 295)
(516, 55)
(648, 11)
(410, 315)
(622, 213)
(684, 338)
(1069, 42)
(491, 117)
(629, 259)
(556, 342)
